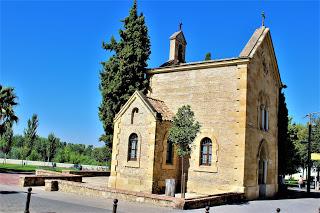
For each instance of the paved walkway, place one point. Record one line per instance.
(11, 178)
(12, 199)
(96, 181)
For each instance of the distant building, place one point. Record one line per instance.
(236, 102)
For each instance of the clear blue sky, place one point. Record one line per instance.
(51, 51)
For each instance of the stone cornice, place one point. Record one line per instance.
(201, 65)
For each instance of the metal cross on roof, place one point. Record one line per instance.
(263, 17)
(180, 26)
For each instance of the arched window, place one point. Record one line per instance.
(206, 152)
(263, 163)
(264, 121)
(170, 152)
(263, 115)
(134, 110)
(133, 147)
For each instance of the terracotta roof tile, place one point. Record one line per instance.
(160, 107)
(168, 63)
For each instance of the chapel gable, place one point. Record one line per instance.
(157, 108)
(261, 51)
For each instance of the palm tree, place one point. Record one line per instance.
(7, 103)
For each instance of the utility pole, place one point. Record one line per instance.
(309, 156)
(310, 116)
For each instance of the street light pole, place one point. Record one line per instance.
(311, 116)
(309, 158)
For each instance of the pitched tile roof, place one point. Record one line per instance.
(175, 35)
(168, 63)
(161, 108)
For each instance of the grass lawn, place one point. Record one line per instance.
(17, 168)
(29, 168)
(55, 169)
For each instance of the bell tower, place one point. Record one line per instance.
(177, 47)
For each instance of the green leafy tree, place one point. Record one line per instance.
(30, 135)
(16, 153)
(125, 71)
(52, 149)
(51, 146)
(7, 103)
(316, 136)
(41, 144)
(18, 140)
(34, 155)
(208, 57)
(315, 143)
(299, 133)
(182, 134)
(62, 155)
(88, 150)
(6, 140)
(101, 154)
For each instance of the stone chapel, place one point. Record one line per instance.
(236, 102)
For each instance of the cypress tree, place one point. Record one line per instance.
(208, 57)
(125, 71)
(287, 156)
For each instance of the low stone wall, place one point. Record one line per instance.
(214, 200)
(159, 200)
(47, 173)
(84, 173)
(51, 185)
(92, 191)
(39, 180)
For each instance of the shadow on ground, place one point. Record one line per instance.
(10, 192)
(13, 171)
(295, 194)
(283, 195)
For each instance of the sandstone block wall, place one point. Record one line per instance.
(142, 197)
(225, 96)
(47, 172)
(262, 79)
(162, 170)
(51, 185)
(214, 95)
(133, 175)
(34, 180)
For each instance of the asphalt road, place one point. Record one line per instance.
(13, 198)
(14, 201)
